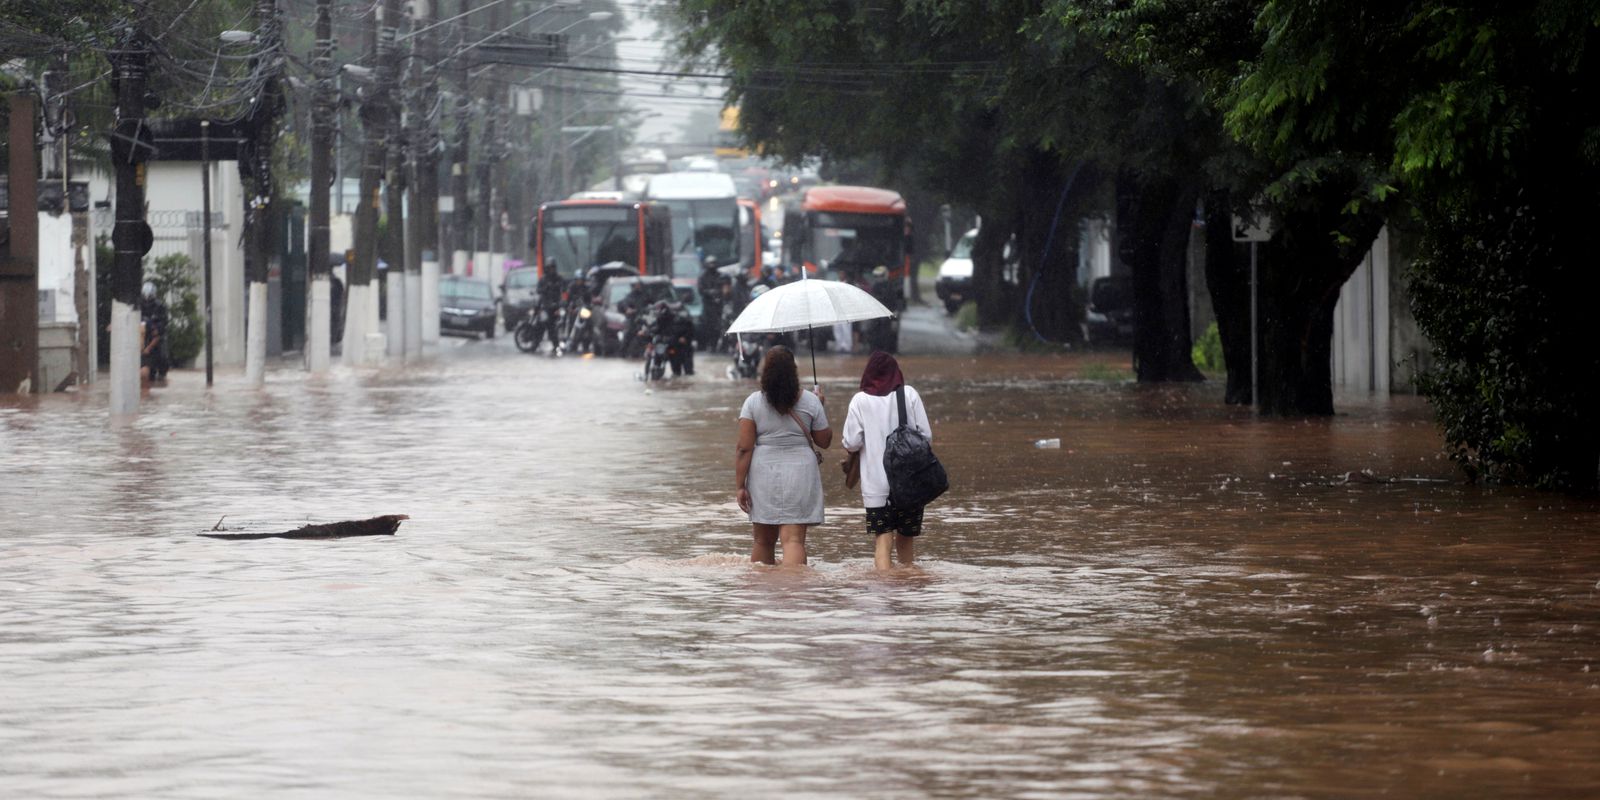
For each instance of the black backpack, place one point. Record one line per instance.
(916, 478)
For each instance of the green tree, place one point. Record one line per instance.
(177, 286)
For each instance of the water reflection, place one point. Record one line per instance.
(1181, 601)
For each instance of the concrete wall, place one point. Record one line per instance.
(176, 187)
(1409, 351)
(1361, 360)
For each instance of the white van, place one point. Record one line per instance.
(954, 285)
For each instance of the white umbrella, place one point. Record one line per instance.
(806, 304)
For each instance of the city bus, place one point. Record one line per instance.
(574, 235)
(752, 239)
(705, 218)
(848, 231)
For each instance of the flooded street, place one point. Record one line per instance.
(1181, 601)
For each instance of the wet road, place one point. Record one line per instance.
(1180, 602)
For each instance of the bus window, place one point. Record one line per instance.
(577, 238)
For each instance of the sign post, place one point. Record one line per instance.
(1254, 231)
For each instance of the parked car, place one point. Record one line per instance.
(954, 285)
(1109, 318)
(466, 306)
(518, 293)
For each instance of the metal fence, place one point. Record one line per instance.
(174, 232)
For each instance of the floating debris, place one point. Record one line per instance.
(375, 526)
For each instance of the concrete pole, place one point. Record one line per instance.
(394, 182)
(319, 344)
(256, 172)
(131, 235)
(422, 264)
(461, 227)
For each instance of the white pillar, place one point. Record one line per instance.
(395, 330)
(255, 355)
(413, 331)
(430, 303)
(374, 347)
(458, 262)
(319, 345)
(124, 358)
(354, 342)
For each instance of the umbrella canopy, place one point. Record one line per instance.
(807, 304)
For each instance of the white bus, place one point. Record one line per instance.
(705, 218)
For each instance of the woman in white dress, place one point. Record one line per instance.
(774, 468)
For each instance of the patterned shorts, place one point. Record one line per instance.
(886, 518)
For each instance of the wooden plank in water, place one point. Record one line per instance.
(376, 526)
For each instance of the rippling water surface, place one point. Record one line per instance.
(1183, 601)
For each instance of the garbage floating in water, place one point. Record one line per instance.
(1048, 444)
(375, 526)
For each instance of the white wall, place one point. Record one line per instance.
(1094, 251)
(176, 186)
(57, 268)
(1361, 325)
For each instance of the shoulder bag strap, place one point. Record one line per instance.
(805, 433)
(900, 401)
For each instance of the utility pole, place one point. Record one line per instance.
(19, 260)
(393, 246)
(131, 236)
(361, 319)
(422, 263)
(255, 173)
(325, 105)
(461, 227)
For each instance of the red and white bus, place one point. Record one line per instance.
(574, 235)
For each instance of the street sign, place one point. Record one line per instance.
(181, 140)
(528, 50)
(1258, 229)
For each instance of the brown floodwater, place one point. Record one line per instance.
(1180, 601)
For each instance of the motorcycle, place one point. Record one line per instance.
(747, 352)
(579, 330)
(540, 321)
(658, 344)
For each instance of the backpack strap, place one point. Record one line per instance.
(900, 401)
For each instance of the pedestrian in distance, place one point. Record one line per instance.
(873, 415)
(782, 431)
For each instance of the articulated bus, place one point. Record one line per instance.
(847, 231)
(574, 235)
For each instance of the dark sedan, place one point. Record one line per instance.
(466, 306)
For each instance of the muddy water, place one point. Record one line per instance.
(1182, 601)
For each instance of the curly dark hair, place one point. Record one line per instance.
(780, 380)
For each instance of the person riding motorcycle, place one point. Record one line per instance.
(548, 300)
(711, 305)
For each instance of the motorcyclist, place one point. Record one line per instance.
(548, 300)
(153, 313)
(711, 304)
(878, 333)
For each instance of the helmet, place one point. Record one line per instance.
(760, 289)
(148, 291)
(880, 271)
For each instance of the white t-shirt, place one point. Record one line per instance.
(866, 426)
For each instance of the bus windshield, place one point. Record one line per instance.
(581, 237)
(711, 226)
(856, 241)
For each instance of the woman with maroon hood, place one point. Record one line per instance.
(873, 415)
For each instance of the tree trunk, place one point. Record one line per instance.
(1153, 217)
(1048, 237)
(1228, 279)
(1300, 273)
(988, 265)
